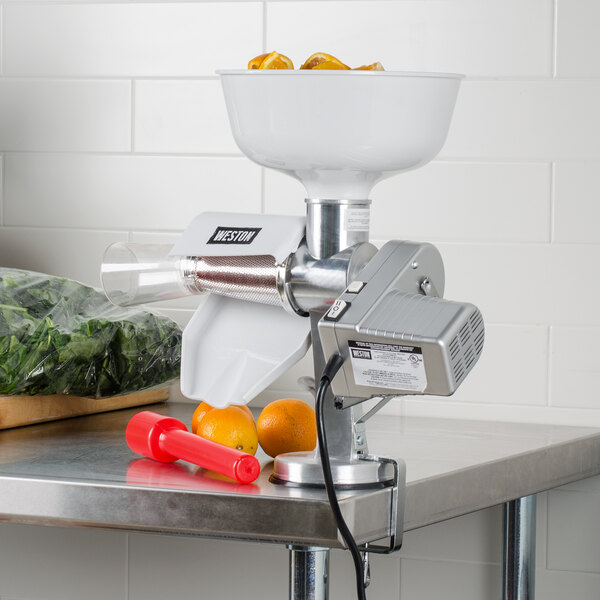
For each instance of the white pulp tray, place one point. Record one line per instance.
(233, 349)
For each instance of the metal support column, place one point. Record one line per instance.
(518, 581)
(309, 573)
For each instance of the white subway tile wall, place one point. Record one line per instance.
(574, 373)
(124, 191)
(464, 36)
(66, 116)
(181, 117)
(54, 563)
(170, 39)
(223, 570)
(576, 202)
(448, 201)
(573, 538)
(577, 49)
(73, 253)
(521, 119)
(432, 579)
(113, 128)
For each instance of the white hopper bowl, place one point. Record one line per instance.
(339, 132)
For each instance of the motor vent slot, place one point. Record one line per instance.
(478, 343)
(466, 347)
(454, 348)
(464, 334)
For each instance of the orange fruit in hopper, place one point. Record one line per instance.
(319, 61)
(287, 425)
(274, 60)
(232, 426)
(376, 66)
(318, 58)
(257, 61)
(329, 65)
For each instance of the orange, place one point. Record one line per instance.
(203, 408)
(200, 411)
(320, 57)
(246, 410)
(329, 65)
(287, 425)
(231, 427)
(274, 61)
(318, 60)
(256, 61)
(376, 66)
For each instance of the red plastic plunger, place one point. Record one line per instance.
(166, 439)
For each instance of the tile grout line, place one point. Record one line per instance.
(462, 160)
(375, 240)
(554, 52)
(2, 37)
(103, 77)
(453, 561)
(2, 189)
(263, 200)
(577, 417)
(549, 365)
(552, 223)
(107, 77)
(547, 546)
(124, 153)
(66, 77)
(132, 117)
(400, 569)
(127, 552)
(264, 27)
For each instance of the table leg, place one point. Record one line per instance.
(518, 581)
(309, 573)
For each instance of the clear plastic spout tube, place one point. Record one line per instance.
(140, 273)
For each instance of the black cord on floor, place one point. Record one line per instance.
(333, 366)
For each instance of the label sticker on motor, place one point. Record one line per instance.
(357, 219)
(393, 366)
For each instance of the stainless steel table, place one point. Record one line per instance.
(79, 472)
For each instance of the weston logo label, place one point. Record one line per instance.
(360, 353)
(234, 235)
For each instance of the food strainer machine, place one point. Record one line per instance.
(376, 318)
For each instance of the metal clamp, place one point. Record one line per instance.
(396, 507)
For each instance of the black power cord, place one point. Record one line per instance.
(333, 366)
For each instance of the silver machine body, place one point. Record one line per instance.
(397, 336)
(381, 310)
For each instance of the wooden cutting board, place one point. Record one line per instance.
(27, 410)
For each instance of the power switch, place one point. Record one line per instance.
(355, 287)
(338, 308)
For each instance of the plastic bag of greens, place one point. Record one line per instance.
(58, 336)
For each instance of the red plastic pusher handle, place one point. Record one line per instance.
(166, 439)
